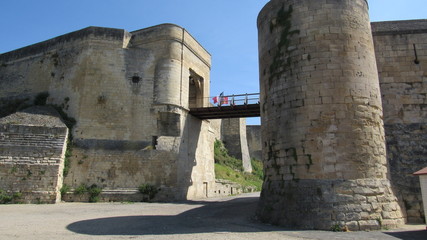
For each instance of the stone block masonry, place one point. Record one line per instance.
(323, 137)
(235, 140)
(253, 134)
(115, 170)
(401, 53)
(32, 148)
(130, 94)
(322, 130)
(363, 204)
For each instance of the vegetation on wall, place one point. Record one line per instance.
(68, 121)
(282, 22)
(149, 191)
(94, 191)
(10, 106)
(230, 168)
(64, 189)
(41, 100)
(9, 197)
(68, 154)
(222, 158)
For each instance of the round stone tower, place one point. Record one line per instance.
(322, 128)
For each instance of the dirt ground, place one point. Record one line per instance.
(220, 218)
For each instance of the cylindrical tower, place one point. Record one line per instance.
(322, 128)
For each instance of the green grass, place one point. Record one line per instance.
(257, 168)
(230, 168)
(221, 157)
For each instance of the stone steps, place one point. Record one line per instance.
(31, 140)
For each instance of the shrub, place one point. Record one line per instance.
(336, 228)
(69, 121)
(68, 154)
(221, 157)
(64, 189)
(149, 190)
(80, 189)
(257, 168)
(94, 192)
(9, 198)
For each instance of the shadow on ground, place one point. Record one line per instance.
(409, 235)
(234, 216)
(231, 216)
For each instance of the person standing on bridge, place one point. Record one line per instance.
(220, 100)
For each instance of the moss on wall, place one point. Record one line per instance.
(282, 60)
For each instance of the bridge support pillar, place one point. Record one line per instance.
(321, 113)
(235, 140)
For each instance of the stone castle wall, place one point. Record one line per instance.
(32, 158)
(234, 137)
(253, 134)
(127, 91)
(323, 139)
(324, 155)
(401, 53)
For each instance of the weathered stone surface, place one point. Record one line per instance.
(401, 53)
(253, 134)
(32, 148)
(234, 137)
(128, 92)
(317, 205)
(323, 136)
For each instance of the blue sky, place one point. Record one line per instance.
(226, 28)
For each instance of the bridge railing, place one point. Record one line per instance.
(234, 100)
(228, 106)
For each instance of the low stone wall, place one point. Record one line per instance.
(222, 188)
(124, 169)
(228, 188)
(116, 195)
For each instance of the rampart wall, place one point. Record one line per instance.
(127, 92)
(130, 93)
(234, 137)
(253, 134)
(401, 53)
